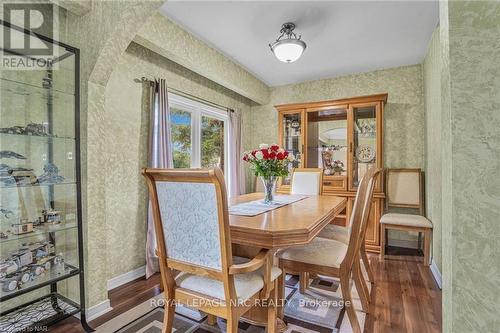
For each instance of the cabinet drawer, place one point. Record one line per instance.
(334, 183)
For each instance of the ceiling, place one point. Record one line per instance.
(343, 37)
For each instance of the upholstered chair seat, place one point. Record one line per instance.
(246, 284)
(335, 232)
(321, 252)
(408, 220)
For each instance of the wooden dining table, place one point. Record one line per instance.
(294, 224)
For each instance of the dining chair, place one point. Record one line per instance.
(191, 220)
(307, 181)
(336, 259)
(341, 234)
(404, 189)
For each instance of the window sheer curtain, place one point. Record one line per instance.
(236, 175)
(160, 156)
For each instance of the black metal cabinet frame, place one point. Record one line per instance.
(30, 315)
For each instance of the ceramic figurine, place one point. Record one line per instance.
(6, 213)
(11, 154)
(51, 216)
(50, 175)
(23, 227)
(12, 130)
(8, 267)
(9, 284)
(27, 263)
(30, 129)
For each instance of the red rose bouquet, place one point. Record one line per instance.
(269, 162)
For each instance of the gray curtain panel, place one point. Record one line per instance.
(236, 176)
(160, 156)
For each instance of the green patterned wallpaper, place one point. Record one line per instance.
(126, 146)
(433, 137)
(404, 112)
(470, 37)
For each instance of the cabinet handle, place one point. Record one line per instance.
(350, 147)
(327, 183)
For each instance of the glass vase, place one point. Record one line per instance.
(269, 186)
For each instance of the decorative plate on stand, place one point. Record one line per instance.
(365, 153)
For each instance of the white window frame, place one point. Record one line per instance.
(197, 110)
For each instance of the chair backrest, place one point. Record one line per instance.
(360, 214)
(404, 188)
(307, 181)
(191, 220)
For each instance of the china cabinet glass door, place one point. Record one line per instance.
(363, 148)
(292, 138)
(327, 140)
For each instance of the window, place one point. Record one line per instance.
(199, 134)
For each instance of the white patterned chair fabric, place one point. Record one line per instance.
(307, 181)
(245, 284)
(191, 215)
(190, 222)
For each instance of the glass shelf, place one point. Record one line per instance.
(53, 275)
(29, 88)
(40, 230)
(40, 185)
(41, 138)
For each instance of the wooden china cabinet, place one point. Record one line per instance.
(345, 138)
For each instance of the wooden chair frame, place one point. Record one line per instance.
(351, 262)
(229, 308)
(305, 276)
(384, 227)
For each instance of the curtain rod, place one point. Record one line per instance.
(181, 93)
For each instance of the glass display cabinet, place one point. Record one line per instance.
(291, 135)
(363, 150)
(41, 244)
(344, 137)
(327, 144)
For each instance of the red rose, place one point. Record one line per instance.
(286, 154)
(275, 148)
(272, 155)
(253, 153)
(280, 156)
(265, 152)
(245, 157)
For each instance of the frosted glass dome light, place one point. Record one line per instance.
(288, 47)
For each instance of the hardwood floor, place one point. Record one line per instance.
(405, 298)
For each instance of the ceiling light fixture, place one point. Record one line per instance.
(288, 47)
